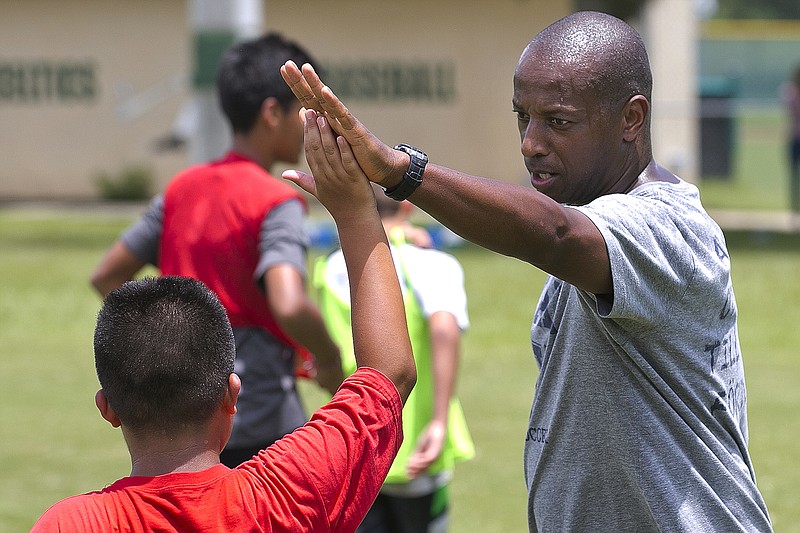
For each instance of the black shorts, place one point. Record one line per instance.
(396, 514)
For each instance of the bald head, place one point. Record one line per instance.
(608, 53)
(581, 96)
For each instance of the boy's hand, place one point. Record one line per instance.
(336, 178)
(429, 446)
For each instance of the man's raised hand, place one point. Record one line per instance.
(380, 163)
(313, 94)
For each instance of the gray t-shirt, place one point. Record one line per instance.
(268, 406)
(639, 419)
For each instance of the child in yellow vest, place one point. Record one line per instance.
(414, 496)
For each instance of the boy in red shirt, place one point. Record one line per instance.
(164, 353)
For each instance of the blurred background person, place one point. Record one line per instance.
(414, 497)
(240, 230)
(791, 97)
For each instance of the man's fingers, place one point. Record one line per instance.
(341, 119)
(299, 86)
(337, 109)
(315, 85)
(307, 86)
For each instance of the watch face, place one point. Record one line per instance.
(412, 151)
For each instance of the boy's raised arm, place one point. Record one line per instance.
(380, 334)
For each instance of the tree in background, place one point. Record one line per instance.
(763, 9)
(720, 9)
(623, 9)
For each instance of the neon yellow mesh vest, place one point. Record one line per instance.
(418, 409)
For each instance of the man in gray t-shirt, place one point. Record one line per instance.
(654, 431)
(638, 420)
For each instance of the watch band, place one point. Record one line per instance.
(412, 177)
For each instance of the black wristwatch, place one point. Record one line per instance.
(413, 176)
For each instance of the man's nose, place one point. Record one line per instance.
(533, 140)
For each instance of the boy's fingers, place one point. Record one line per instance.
(348, 158)
(302, 180)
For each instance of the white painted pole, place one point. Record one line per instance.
(670, 32)
(215, 25)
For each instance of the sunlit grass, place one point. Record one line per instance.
(759, 178)
(54, 444)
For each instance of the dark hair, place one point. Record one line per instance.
(163, 350)
(607, 47)
(249, 73)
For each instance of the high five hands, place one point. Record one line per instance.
(336, 178)
(380, 163)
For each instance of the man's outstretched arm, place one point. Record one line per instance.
(507, 218)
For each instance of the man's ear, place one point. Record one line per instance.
(232, 393)
(271, 112)
(106, 411)
(634, 117)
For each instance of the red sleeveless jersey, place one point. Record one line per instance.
(213, 215)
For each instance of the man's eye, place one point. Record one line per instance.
(522, 117)
(558, 122)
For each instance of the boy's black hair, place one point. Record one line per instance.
(249, 73)
(163, 351)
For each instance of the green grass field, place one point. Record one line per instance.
(54, 444)
(758, 180)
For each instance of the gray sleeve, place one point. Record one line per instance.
(654, 246)
(143, 236)
(283, 238)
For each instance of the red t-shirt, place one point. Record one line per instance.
(323, 477)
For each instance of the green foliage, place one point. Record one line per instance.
(763, 9)
(131, 183)
(623, 9)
